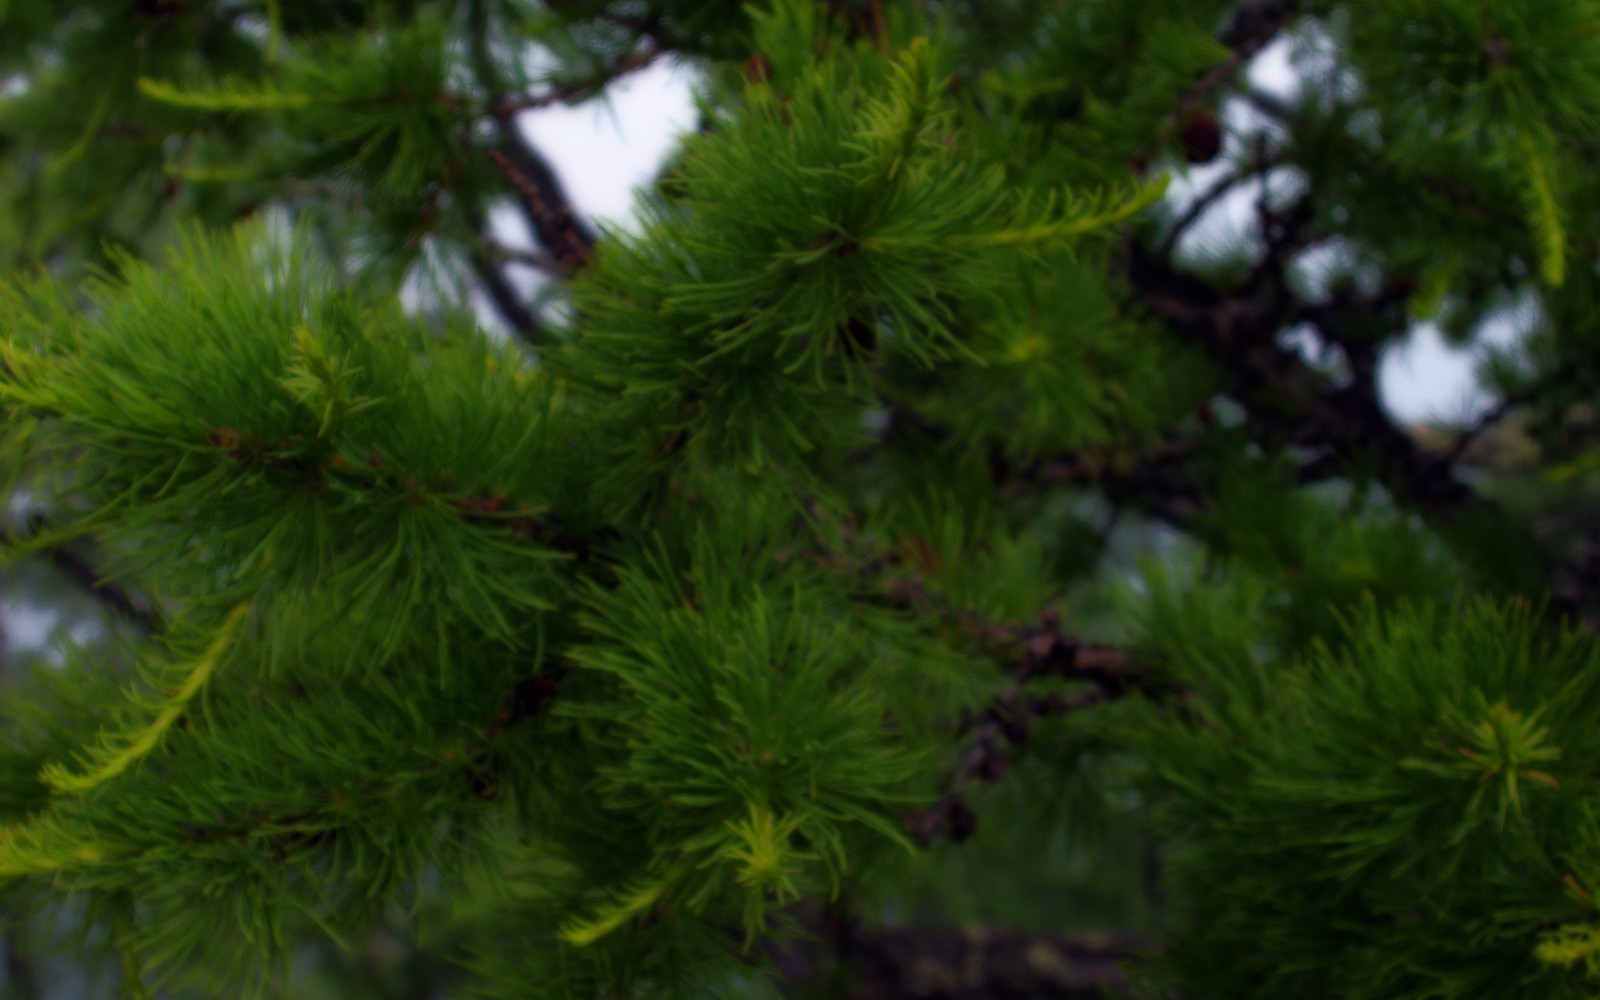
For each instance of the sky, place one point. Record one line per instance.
(603, 149)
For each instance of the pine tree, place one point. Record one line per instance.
(914, 560)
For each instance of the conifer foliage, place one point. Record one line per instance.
(927, 553)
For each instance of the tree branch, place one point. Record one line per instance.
(1288, 399)
(1253, 25)
(1199, 206)
(915, 963)
(82, 573)
(127, 605)
(507, 303)
(1033, 652)
(508, 105)
(549, 212)
(550, 215)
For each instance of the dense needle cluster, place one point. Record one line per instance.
(915, 558)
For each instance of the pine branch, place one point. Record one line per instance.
(535, 260)
(991, 965)
(1288, 402)
(508, 303)
(1509, 403)
(524, 524)
(1031, 652)
(1272, 106)
(1153, 479)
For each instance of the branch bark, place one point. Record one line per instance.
(913, 963)
(550, 214)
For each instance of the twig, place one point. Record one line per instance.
(1490, 420)
(1253, 25)
(1045, 651)
(506, 106)
(78, 570)
(1287, 398)
(534, 259)
(1273, 107)
(507, 303)
(1198, 207)
(889, 963)
(119, 599)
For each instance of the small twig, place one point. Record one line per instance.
(76, 567)
(507, 303)
(974, 963)
(542, 262)
(1489, 421)
(428, 212)
(1045, 651)
(1272, 106)
(508, 105)
(880, 27)
(125, 603)
(1253, 26)
(543, 201)
(1198, 207)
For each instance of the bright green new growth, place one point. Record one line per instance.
(610, 661)
(392, 502)
(1436, 770)
(114, 760)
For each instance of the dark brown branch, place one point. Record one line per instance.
(288, 456)
(1153, 479)
(1290, 403)
(1272, 106)
(1493, 418)
(508, 105)
(1033, 652)
(76, 567)
(1253, 25)
(1030, 652)
(507, 303)
(915, 963)
(1288, 399)
(549, 212)
(129, 606)
(1201, 204)
(536, 260)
